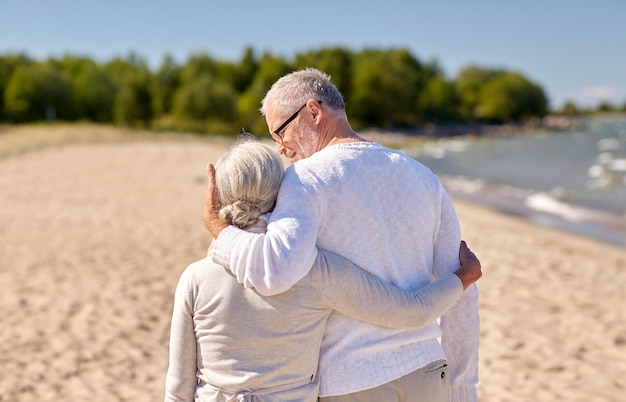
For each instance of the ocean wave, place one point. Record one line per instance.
(548, 208)
(544, 202)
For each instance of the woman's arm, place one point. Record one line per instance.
(361, 295)
(181, 380)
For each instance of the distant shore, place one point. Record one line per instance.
(546, 124)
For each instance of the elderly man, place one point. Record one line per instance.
(376, 207)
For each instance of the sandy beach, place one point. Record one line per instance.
(93, 238)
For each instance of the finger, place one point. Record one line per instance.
(212, 199)
(463, 252)
(211, 172)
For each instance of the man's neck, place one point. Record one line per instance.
(343, 140)
(343, 134)
(337, 131)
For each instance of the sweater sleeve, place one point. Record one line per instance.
(181, 380)
(460, 324)
(359, 294)
(274, 261)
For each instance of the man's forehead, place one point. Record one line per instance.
(273, 111)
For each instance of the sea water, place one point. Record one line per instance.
(570, 180)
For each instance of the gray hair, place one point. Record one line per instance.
(247, 178)
(293, 90)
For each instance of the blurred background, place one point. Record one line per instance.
(519, 107)
(204, 65)
(450, 69)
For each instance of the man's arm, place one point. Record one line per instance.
(460, 324)
(271, 262)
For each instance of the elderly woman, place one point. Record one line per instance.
(228, 343)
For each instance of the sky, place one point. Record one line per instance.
(574, 49)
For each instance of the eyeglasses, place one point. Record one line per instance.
(278, 139)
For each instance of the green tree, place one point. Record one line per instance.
(511, 97)
(133, 81)
(248, 67)
(72, 66)
(249, 116)
(469, 83)
(438, 101)
(386, 86)
(37, 92)
(206, 100)
(269, 69)
(93, 94)
(8, 64)
(166, 81)
(499, 96)
(207, 105)
(202, 64)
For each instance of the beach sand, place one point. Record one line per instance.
(93, 238)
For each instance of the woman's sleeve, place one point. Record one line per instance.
(181, 380)
(357, 293)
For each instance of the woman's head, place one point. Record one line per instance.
(247, 179)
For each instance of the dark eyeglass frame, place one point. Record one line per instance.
(276, 133)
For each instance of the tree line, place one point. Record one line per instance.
(383, 88)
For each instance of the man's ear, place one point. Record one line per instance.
(316, 109)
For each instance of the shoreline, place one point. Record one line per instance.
(541, 210)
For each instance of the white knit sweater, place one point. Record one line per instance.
(386, 213)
